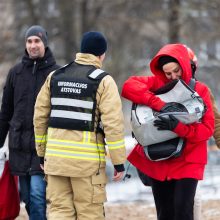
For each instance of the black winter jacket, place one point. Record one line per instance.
(23, 83)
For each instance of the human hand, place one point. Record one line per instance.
(42, 163)
(42, 166)
(118, 176)
(166, 123)
(4, 153)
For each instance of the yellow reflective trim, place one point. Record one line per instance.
(116, 147)
(40, 141)
(79, 155)
(40, 138)
(75, 147)
(39, 135)
(83, 158)
(115, 142)
(76, 152)
(74, 142)
(113, 145)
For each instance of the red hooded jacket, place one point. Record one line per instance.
(140, 90)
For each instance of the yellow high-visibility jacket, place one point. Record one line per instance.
(80, 153)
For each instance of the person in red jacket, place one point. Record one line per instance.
(174, 181)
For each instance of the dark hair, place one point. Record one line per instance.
(193, 67)
(164, 60)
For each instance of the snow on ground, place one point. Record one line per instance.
(132, 189)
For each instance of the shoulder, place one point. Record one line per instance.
(151, 83)
(108, 84)
(201, 87)
(50, 76)
(50, 69)
(14, 71)
(143, 79)
(203, 90)
(107, 79)
(58, 68)
(17, 68)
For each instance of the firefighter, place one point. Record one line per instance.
(76, 111)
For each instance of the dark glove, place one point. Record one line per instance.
(166, 123)
(119, 168)
(173, 107)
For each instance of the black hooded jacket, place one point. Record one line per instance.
(23, 83)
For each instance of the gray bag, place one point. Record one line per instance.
(142, 117)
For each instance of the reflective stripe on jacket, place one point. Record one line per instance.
(73, 96)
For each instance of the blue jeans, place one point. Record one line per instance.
(33, 194)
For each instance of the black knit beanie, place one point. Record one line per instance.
(166, 59)
(94, 43)
(38, 31)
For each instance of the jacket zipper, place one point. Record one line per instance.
(34, 67)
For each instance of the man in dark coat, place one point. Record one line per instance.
(23, 83)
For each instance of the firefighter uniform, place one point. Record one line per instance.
(77, 110)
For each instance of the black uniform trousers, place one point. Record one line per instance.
(174, 199)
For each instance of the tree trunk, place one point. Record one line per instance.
(173, 21)
(67, 25)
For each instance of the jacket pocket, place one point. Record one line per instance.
(27, 140)
(15, 135)
(99, 182)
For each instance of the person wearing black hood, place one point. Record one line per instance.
(22, 85)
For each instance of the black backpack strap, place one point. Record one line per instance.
(192, 83)
(98, 75)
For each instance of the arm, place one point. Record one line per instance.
(203, 130)
(138, 89)
(7, 107)
(110, 108)
(217, 120)
(41, 117)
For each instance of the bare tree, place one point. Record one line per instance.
(67, 28)
(173, 21)
(135, 29)
(34, 18)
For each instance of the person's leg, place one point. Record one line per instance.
(184, 198)
(60, 196)
(197, 210)
(89, 196)
(24, 184)
(37, 198)
(163, 192)
(146, 180)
